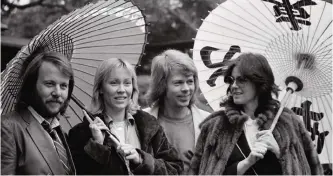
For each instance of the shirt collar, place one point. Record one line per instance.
(129, 118)
(40, 119)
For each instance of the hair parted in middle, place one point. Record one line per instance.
(29, 74)
(162, 65)
(256, 69)
(102, 73)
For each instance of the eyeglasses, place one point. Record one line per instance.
(240, 80)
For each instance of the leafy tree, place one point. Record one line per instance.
(29, 19)
(175, 20)
(171, 20)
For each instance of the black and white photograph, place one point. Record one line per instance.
(166, 87)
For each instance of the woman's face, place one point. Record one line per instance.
(117, 89)
(242, 90)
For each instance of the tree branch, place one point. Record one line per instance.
(193, 27)
(56, 5)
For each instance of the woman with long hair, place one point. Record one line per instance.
(237, 140)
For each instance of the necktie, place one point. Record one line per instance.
(59, 147)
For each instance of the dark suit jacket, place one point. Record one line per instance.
(26, 148)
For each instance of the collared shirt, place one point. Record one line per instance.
(126, 131)
(54, 123)
(40, 119)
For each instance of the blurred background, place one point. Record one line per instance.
(173, 24)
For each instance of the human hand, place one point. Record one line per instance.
(267, 137)
(258, 152)
(130, 153)
(96, 129)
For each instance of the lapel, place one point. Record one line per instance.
(43, 142)
(147, 128)
(153, 111)
(197, 119)
(69, 155)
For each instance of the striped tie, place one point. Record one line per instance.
(59, 147)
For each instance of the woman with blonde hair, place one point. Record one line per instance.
(143, 149)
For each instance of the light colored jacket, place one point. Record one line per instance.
(26, 149)
(198, 116)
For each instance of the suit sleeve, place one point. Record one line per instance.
(8, 149)
(309, 150)
(165, 161)
(199, 149)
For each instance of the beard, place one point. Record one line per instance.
(41, 108)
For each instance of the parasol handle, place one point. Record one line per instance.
(292, 86)
(114, 139)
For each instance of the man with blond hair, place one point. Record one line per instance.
(171, 95)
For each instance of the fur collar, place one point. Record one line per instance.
(231, 121)
(264, 118)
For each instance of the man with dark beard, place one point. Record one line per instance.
(32, 141)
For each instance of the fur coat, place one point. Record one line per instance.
(220, 133)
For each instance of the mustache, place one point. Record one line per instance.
(54, 101)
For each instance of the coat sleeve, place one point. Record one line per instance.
(199, 149)
(310, 152)
(165, 161)
(8, 148)
(88, 156)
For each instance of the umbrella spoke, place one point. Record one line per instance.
(74, 111)
(108, 39)
(228, 44)
(96, 19)
(109, 28)
(231, 12)
(88, 35)
(279, 27)
(69, 27)
(296, 44)
(322, 46)
(321, 134)
(315, 31)
(239, 26)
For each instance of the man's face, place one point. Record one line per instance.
(180, 89)
(51, 90)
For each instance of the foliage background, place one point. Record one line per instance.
(170, 20)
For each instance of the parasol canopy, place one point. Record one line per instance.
(294, 36)
(89, 35)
